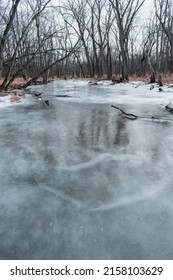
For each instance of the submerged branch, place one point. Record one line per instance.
(132, 116)
(129, 116)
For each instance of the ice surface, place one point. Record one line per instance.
(80, 181)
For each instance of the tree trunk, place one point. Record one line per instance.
(152, 76)
(6, 31)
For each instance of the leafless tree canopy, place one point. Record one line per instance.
(84, 38)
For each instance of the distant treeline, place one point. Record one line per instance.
(84, 38)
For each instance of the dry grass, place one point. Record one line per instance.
(166, 78)
(16, 96)
(3, 93)
(13, 96)
(17, 82)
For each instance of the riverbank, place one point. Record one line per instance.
(7, 98)
(167, 79)
(15, 94)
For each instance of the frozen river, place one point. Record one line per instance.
(79, 181)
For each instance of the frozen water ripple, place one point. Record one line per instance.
(106, 157)
(148, 193)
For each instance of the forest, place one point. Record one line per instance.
(86, 134)
(84, 38)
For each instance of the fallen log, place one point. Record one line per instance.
(62, 95)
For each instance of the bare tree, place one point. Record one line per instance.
(7, 29)
(164, 13)
(76, 15)
(83, 38)
(99, 31)
(32, 40)
(33, 79)
(125, 13)
(149, 41)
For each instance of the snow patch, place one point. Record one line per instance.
(10, 99)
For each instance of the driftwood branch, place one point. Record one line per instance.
(168, 107)
(129, 116)
(132, 116)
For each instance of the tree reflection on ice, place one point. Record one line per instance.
(78, 181)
